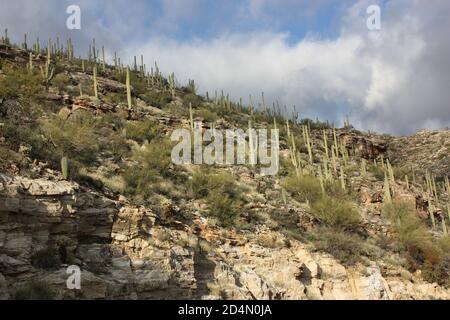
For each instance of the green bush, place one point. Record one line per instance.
(140, 131)
(20, 84)
(61, 81)
(303, 188)
(156, 99)
(115, 98)
(199, 184)
(76, 137)
(35, 291)
(222, 207)
(423, 252)
(336, 212)
(153, 166)
(348, 248)
(206, 115)
(377, 172)
(192, 99)
(221, 193)
(411, 232)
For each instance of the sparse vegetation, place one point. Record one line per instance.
(306, 188)
(335, 212)
(55, 127)
(221, 193)
(348, 248)
(415, 239)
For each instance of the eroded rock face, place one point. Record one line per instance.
(368, 148)
(124, 254)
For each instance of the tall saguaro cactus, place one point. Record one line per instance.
(64, 168)
(191, 117)
(128, 88)
(95, 83)
(251, 142)
(30, 63)
(103, 59)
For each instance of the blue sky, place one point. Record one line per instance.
(316, 55)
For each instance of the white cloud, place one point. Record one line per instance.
(395, 80)
(386, 79)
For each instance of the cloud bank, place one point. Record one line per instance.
(394, 80)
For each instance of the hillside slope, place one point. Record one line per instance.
(86, 179)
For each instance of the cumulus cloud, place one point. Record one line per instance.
(394, 80)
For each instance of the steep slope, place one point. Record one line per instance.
(349, 215)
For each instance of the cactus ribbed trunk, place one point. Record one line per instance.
(128, 88)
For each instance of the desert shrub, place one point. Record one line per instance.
(226, 183)
(140, 131)
(377, 172)
(199, 184)
(348, 248)
(401, 172)
(417, 242)
(221, 193)
(438, 272)
(411, 232)
(35, 291)
(30, 135)
(156, 99)
(20, 84)
(306, 188)
(116, 121)
(315, 124)
(192, 99)
(153, 166)
(206, 115)
(8, 156)
(222, 207)
(75, 137)
(115, 97)
(138, 84)
(334, 189)
(61, 81)
(335, 212)
(47, 259)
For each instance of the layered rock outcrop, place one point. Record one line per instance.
(124, 253)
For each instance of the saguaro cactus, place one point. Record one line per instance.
(47, 73)
(128, 88)
(342, 177)
(30, 62)
(103, 59)
(387, 197)
(431, 212)
(64, 168)
(252, 151)
(444, 226)
(25, 45)
(363, 167)
(325, 144)
(191, 117)
(94, 51)
(95, 83)
(172, 85)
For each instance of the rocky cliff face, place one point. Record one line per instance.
(124, 253)
(222, 232)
